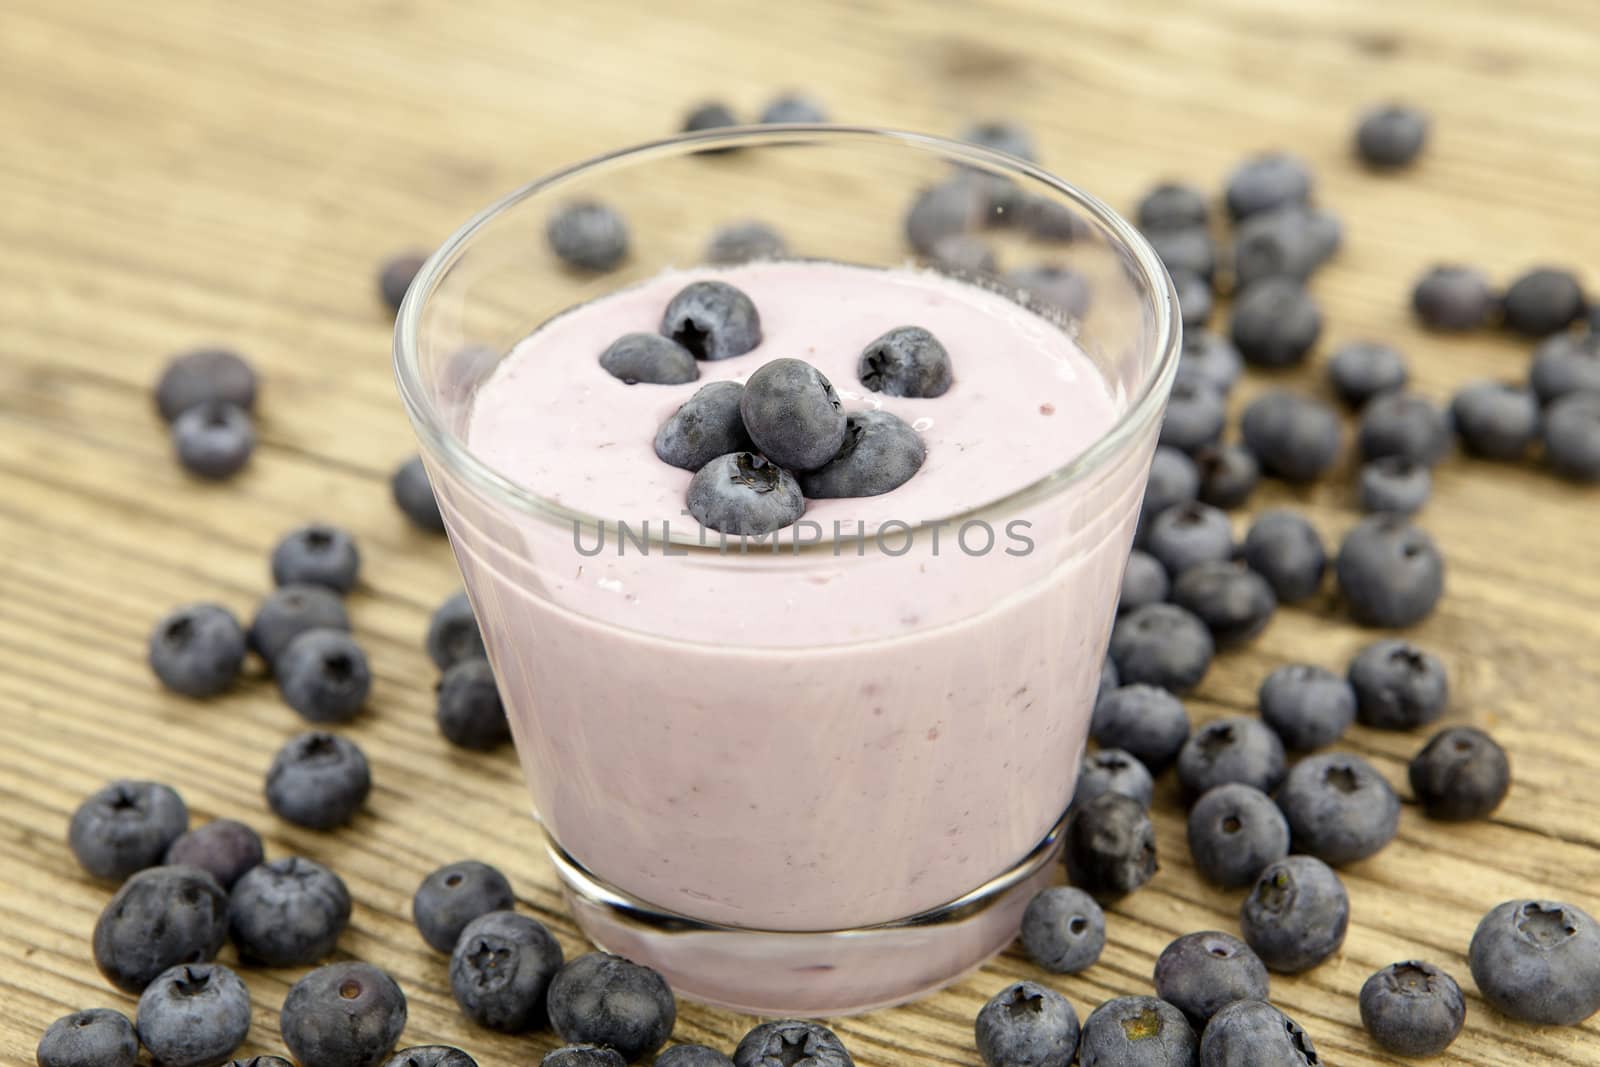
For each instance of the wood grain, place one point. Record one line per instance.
(191, 171)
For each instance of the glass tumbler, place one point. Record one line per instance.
(827, 777)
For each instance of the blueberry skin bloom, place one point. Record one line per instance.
(1110, 847)
(501, 972)
(1161, 644)
(98, 1037)
(194, 1015)
(1234, 831)
(1412, 1008)
(1063, 929)
(125, 827)
(790, 1042)
(606, 1000)
(1204, 972)
(1461, 773)
(288, 913)
(1297, 914)
(1390, 572)
(1235, 749)
(1027, 1025)
(197, 650)
(743, 494)
(453, 896)
(1306, 706)
(1252, 1033)
(1144, 720)
(350, 1014)
(713, 320)
(1137, 1032)
(793, 414)
(1339, 808)
(1538, 961)
(161, 917)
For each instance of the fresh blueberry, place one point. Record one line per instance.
(1396, 485)
(713, 320)
(1063, 929)
(1046, 219)
(1172, 205)
(1196, 411)
(317, 554)
(741, 242)
(1496, 420)
(1404, 424)
(1026, 1025)
(1185, 250)
(1267, 181)
(791, 1043)
(1361, 370)
(1412, 1008)
(1144, 720)
(1286, 550)
(395, 275)
(963, 253)
(223, 848)
(706, 426)
(431, 1056)
(1306, 706)
(1225, 751)
(1234, 831)
(711, 115)
(1390, 572)
(455, 895)
(1252, 1033)
(1542, 301)
(1460, 774)
(587, 235)
(1001, 135)
(1391, 136)
(1339, 808)
(1137, 1032)
(1202, 973)
(793, 107)
(1232, 600)
(744, 494)
(607, 1000)
(692, 1056)
(1162, 645)
(943, 211)
(1052, 287)
(793, 414)
(1195, 300)
(1289, 242)
(469, 711)
(1538, 961)
(1113, 770)
(1572, 436)
(288, 612)
(213, 440)
(323, 674)
(1174, 479)
(1397, 685)
(1110, 846)
(1188, 534)
(1211, 357)
(880, 453)
(343, 1015)
(98, 1037)
(161, 917)
(205, 375)
(1293, 437)
(1275, 322)
(197, 650)
(582, 1056)
(318, 780)
(288, 912)
(501, 968)
(1228, 475)
(1144, 581)
(453, 633)
(649, 358)
(908, 361)
(194, 1015)
(1296, 915)
(413, 495)
(1453, 298)
(125, 827)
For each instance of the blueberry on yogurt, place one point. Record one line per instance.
(708, 425)
(880, 453)
(713, 320)
(649, 358)
(743, 494)
(793, 414)
(907, 361)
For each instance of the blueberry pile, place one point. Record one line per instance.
(208, 398)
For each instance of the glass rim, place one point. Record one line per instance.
(443, 442)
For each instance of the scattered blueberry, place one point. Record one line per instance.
(1110, 846)
(161, 917)
(791, 1043)
(432, 1056)
(1453, 298)
(469, 711)
(880, 453)
(1001, 135)
(343, 1015)
(1307, 706)
(1185, 250)
(964, 253)
(1174, 479)
(607, 1000)
(1163, 645)
(323, 675)
(649, 358)
(793, 107)
(713, 320)
(1195, 300)
(1113, 770)
(1234, 831)
(1046, 219)
(396, 274)
(125, 827)
(1172, 205)
(692, 1056)
(1063, 929)
(1496, 420)
(1297, 914)
(1391, 136)
(318, 780)
(1538, 961)
(1293, 437)
(1025, 1025)
(213, 440)
(1189, 534)
(1395, 485)
(1228, 475)
(706, 426)
(98, 1037)
(1137, 1032)
(288, 912)
(1286, 550)
(1144, 581)
(1460, 774)
(413, 495)
(1267, 181)
(501, 968)
(197, 650)
(1211, 357)
(1275, 322)
(223, 848)
(205, 375)
(1412, 1008)
(1232, 600)
(1196, 411)
(455, 895)
(741, 242)
(1145, 721)
(1390, 572)
(744, 494)
(1572, 436)
(582, 1056)
(908, 361)
(1404, 424)
(1288, 242)
(453, 633)
(1361, 370)
(1252, 1033)
(194, 1015)
(1397, 685)
(588, 235)
(1053, 286)
(1339, 808)
(711, 115)
(1542, 301)
(942, 211)
(1230, 750)
(1202, 973)
(290, 611)
(317, 554)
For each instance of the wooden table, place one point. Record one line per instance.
(185, 171)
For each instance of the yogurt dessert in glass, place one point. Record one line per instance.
(823, 769)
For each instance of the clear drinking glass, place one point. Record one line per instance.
(786, 790)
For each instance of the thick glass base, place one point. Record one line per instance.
(810, 973)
